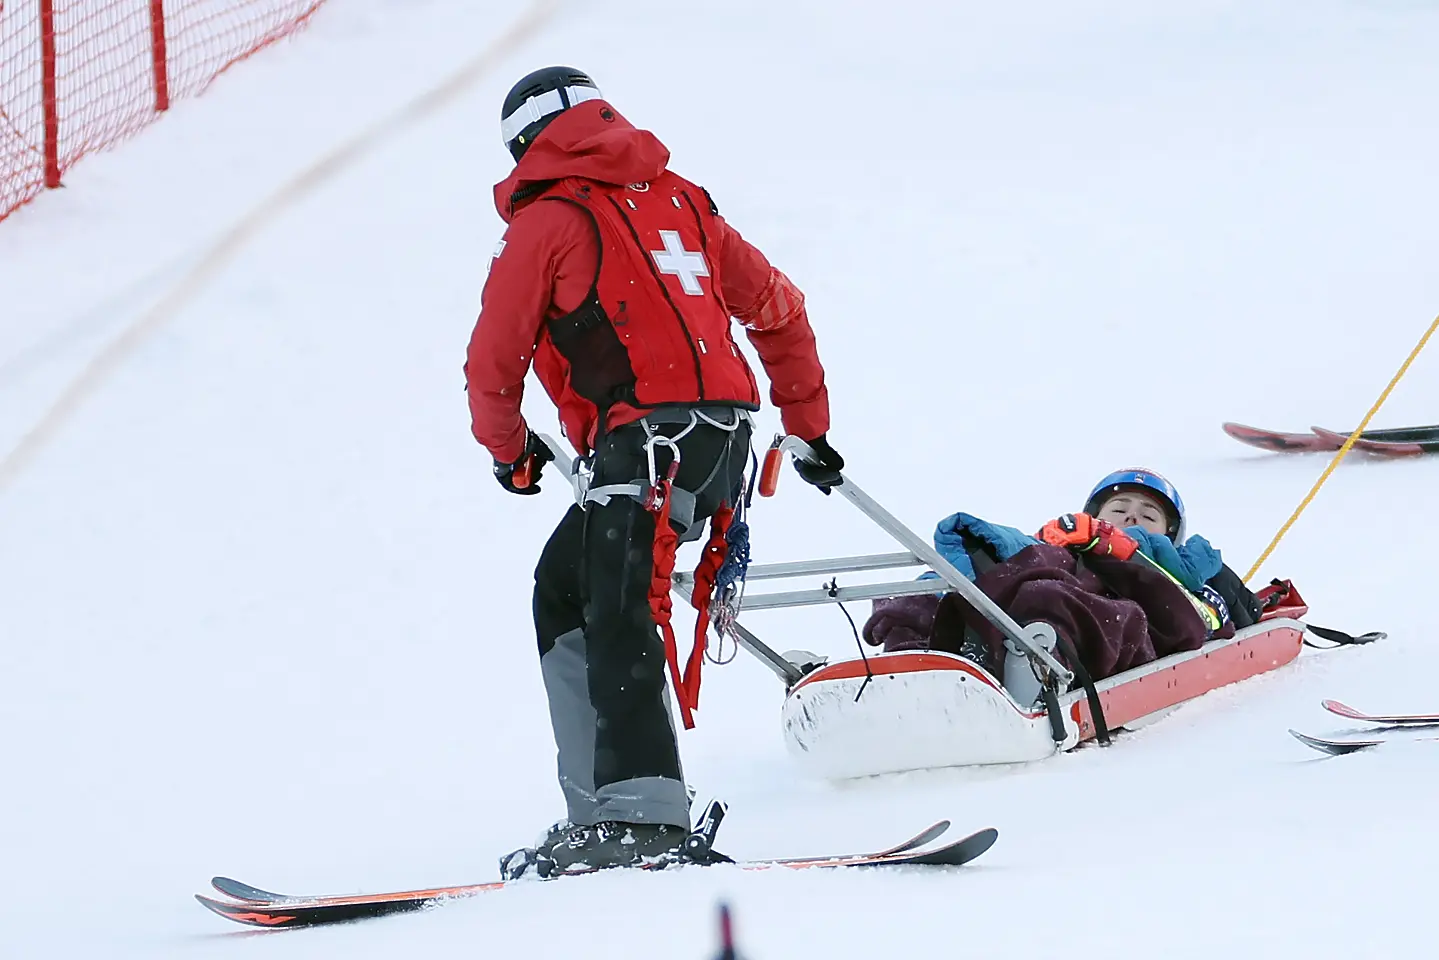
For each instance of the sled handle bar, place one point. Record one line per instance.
(922, 552)
(1025, 637)
(579, 481)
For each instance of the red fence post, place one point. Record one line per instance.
(48, 97)
(161, 60)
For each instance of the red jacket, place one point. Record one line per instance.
(547, 264)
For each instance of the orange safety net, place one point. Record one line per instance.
(22, 119)
(81, 75)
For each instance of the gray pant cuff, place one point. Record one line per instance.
(641, 800)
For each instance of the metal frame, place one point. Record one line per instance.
(918, 552)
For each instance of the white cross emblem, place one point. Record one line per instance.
(674, 259)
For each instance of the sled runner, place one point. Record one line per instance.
(913, 710)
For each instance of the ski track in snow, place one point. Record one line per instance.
(265, 612)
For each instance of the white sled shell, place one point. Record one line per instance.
(918, 710)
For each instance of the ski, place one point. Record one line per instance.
(1334, 748)
(1395, 719)
(245, 893)
(1416, 446)
(306, 913)
(1276, 442)
(1402, 441)
(1337, 748)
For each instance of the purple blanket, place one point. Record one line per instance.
(1118, 614)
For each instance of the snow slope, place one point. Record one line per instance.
(265, 613)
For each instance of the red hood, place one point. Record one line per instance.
(592, 141)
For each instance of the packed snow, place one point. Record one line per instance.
(265, 612)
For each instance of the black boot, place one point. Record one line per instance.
(612, 843)
(582, 848)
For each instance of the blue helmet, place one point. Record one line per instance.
(1137, 478)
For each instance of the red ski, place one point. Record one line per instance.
(1393, 719)
(246, 893)
(1276, 442)
(308, 912)
(1383, 448)
(1399, 442)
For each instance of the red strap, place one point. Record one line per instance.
(711, 559)
(665, 544)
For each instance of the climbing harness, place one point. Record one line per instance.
(724, 558)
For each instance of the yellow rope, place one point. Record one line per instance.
(1343, 452)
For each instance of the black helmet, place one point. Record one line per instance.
(537, 99)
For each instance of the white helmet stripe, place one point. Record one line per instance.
(542, 106)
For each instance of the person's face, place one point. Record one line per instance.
(1134, 508)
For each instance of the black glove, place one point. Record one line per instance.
(523, 475)
(826, 473)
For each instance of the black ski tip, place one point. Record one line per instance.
(236, 890)
(264, 916)
(1308, 741)
(981, 840)
(955, 854)
(1335, 748)
(227, 910)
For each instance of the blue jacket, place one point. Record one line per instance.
(1192, 563)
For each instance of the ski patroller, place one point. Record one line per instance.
(1398, 442)
(275, 911)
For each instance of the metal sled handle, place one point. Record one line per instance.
(922, 550)
(925, 551)
(787, 671)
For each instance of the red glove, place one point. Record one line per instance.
(1080, 531)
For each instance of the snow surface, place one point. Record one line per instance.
(265, 613)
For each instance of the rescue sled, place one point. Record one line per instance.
(924, 709)
(888, 713)
(916, 710)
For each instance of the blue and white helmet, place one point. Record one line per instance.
(1138, 478)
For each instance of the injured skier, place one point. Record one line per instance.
(1119, 583)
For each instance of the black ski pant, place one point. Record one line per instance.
(601, 654)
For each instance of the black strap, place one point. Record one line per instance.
(1338, 638)
(1096, 706)
(981, 555)
(1056, 718)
